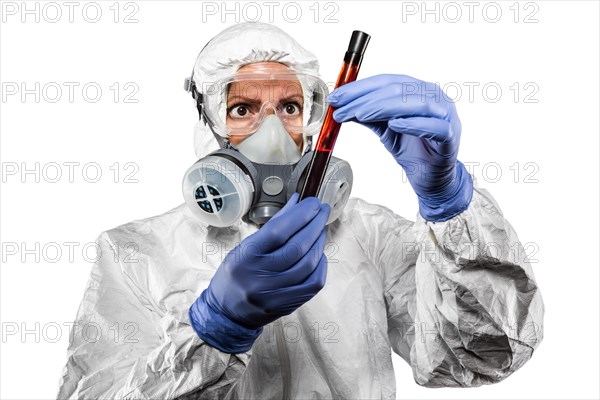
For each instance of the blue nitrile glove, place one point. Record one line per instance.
(419, 126)
(268, 275)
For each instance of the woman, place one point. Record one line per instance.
(306, 306)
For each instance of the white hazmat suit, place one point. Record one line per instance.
(457, 300)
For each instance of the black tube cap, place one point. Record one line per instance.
(358, 42)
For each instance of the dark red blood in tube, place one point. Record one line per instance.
(331, 128)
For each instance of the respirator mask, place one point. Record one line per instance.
(263, 120)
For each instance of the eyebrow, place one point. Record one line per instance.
(296, 97)
(236, 98)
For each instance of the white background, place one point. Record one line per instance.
(558, 135)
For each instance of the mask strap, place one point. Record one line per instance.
(223, 143)
(308, 145)
(190, 86)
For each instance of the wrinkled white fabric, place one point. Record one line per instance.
(204, 141)
(455, 299)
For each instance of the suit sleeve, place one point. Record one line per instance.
(123, 347)
(462, 302)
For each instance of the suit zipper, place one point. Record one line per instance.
(284, 360)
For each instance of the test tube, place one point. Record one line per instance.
(331, 128)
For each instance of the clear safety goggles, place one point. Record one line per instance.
(237, 105)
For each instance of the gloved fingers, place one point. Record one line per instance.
(277, 231)
(285, 300)
(423, 127)
(354, 90)
(290, 203)
(300, 243)
(388, 103)
(378, 127)
(300, 269)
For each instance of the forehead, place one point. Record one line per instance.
(267, 66)
(249, 83)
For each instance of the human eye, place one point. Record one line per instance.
(239, 111)
(292, 108)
